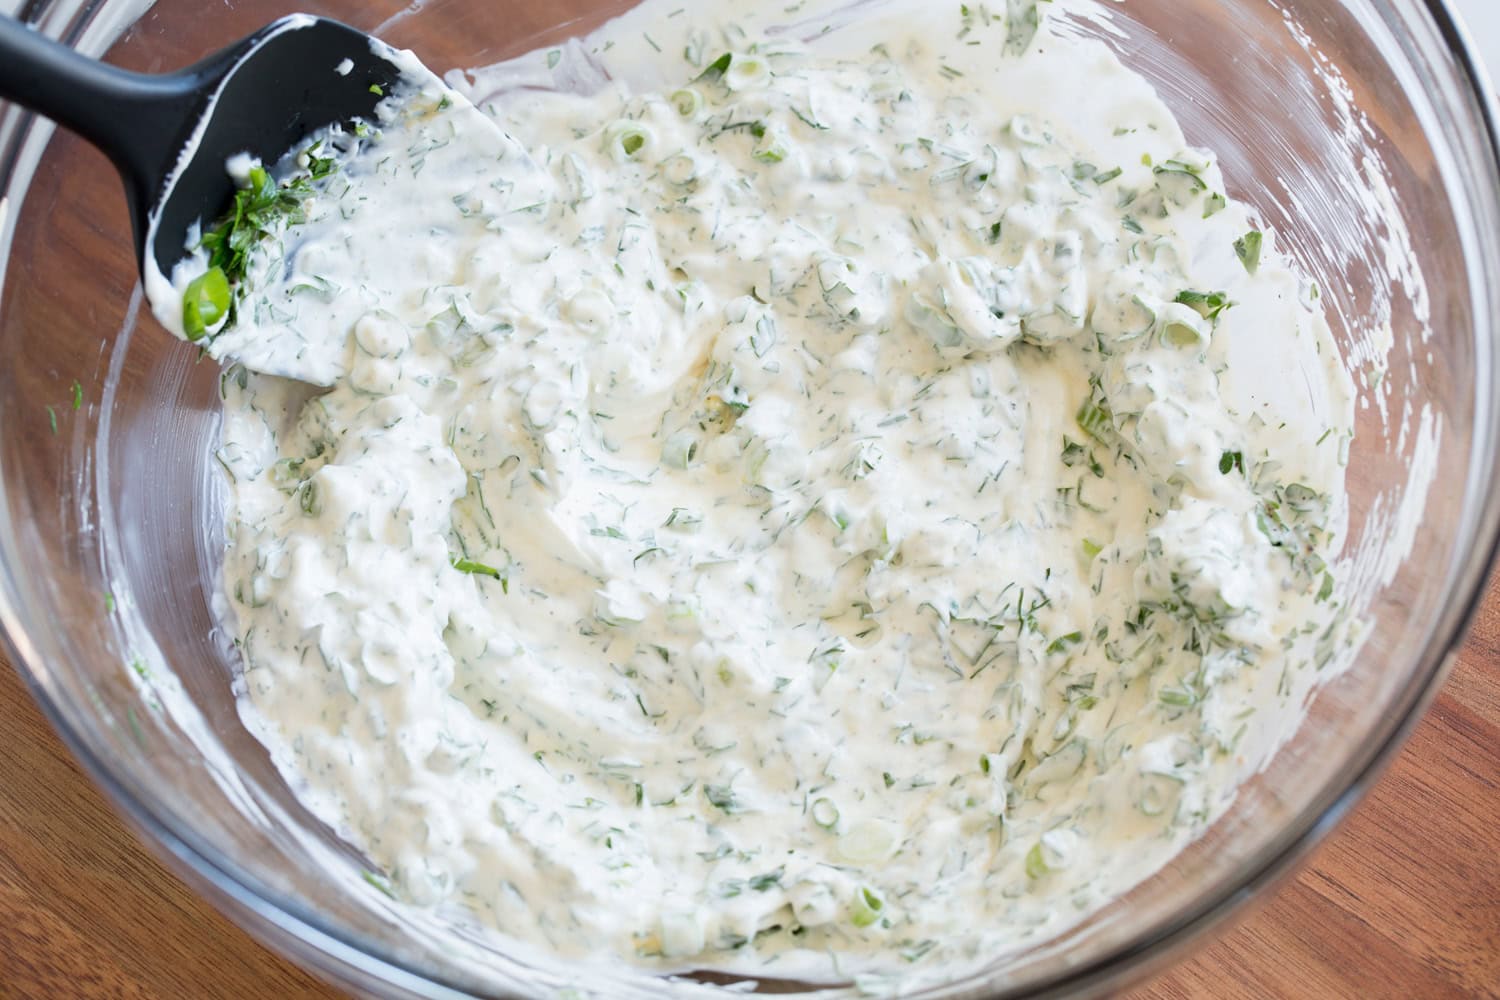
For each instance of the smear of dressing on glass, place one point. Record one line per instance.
(791, 519)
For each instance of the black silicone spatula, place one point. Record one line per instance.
(170, 135)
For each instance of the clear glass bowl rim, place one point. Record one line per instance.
(300, 933)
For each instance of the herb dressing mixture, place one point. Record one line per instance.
(809, 512)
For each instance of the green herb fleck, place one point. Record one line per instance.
(379, 882)
(722, 797)
(1062, 643)
(480, 569)
(261, 208)
(764, 882)
(1207, 304)
(773, 153)
(135, 726)
(1247, 249)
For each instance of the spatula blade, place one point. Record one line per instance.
(295, 76)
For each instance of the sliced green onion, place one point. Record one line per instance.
(1094, 420)
(1184, 325)
(680, 169)
(205, 301)
(1036, 862)
(628, 139)
(286, 474)
(825, 813)
(744, 72)
(869, 843)
(687, 101)
(1024, 130)
(1180, 699)
(717, 68)
(1155, 795)
(867, 907)
(680, 450)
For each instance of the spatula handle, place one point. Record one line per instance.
(127, 115)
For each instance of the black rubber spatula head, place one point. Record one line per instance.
(171, 135)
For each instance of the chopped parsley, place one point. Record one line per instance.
(1247, 249)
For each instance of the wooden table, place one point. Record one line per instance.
(1403, 901)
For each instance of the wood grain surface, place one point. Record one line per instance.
(1402, 901)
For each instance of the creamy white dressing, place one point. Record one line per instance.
(796, 517)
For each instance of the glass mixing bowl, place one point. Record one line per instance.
(1359, 129)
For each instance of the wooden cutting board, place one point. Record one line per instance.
(1402, 901)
